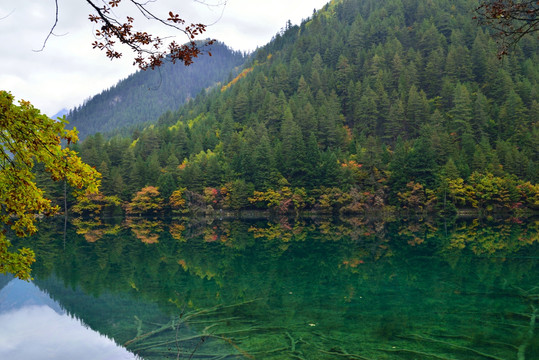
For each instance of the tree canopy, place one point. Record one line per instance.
(28, 137)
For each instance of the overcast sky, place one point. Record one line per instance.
(68, 70)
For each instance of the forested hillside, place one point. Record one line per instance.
(145, 95)
(368, 105)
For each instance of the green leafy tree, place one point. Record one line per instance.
(28, 137)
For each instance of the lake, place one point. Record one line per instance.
(314, 288)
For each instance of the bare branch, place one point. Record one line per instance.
(150, 16)
(8, 15)
(150, 51)
(218, 4)
(511, 20)
(51, 32)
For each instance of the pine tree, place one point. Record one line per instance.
(367, 112)
(117, 185)
(241, 106)
(421, 161)
(462, 111)
(330, 172)
(342, 76)
(264, 164)
(511, 116)
(312, 165)
(450, 170)
(152, 169)
(396, 124)
(481, 119)
(431, 75)
(317, 74)
(192, 177)
(398, 167)
(292, 150)
(417, 110)
(294, 73)
(329, 116)
(166, 184)
(213, 174)
(479, 56)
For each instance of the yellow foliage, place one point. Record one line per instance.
(147, 200)
(177, 201)
(27, 137)
(145, 230)
(176, 126)
(235, 80)
(176, 230)
(192, 122)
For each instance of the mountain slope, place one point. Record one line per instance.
(367, 103)
(145, 95)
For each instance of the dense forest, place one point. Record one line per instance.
(372, 105)
(145, 95)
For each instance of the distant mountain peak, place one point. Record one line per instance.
(144, 96)
(60, 113)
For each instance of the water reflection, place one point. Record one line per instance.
(310, 288)
(36, 327)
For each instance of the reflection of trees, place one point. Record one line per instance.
(316, 274)
(94, 229)
(212, 249)
(176, 231)
(417, 232)
(146, 230)
(502, 239)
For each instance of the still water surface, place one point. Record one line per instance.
(309, 289)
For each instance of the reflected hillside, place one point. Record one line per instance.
(310, 288)
(35, 327)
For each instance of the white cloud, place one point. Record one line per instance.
(38, 332)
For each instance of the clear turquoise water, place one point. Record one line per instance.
(310, 289)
